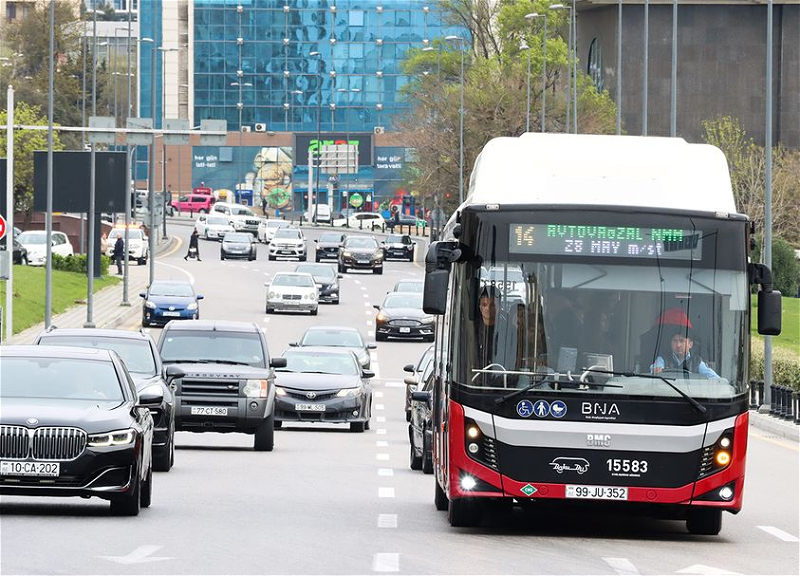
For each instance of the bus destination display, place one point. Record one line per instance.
(605, 241)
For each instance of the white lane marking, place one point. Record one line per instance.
(778, 533)
(378, 394)
(382, 444)
(387, 520)
(385, 472)
(381, 431)
(376, 368)
(386, 562)
(140, 555)
(380, 407)
(395, 385)
(364, 288)
(357, 281)
(266, 319)
(368, 312)
(382, 456)
(367, 304)
(704, 570)
(380, 419)
(621, 566)
(385, 492)
(189, 274)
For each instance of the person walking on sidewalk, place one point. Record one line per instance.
(193, 243)
(119, 252)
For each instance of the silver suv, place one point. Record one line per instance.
(288, 243)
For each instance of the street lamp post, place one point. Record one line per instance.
(459, 40)
(569, 61)
(619, 68)
(673, 98)
(534, 15)
(313, 208)
(163, 140)
(240, 108)
(645, 58)
(347, 132)
(524, 47)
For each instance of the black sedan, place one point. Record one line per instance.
(420, 427)
(327, 245)
(73, 424)
(326, 279)
(340, 337)
(403, 220)
(399, 246)
(322, 384)
(401, 316)
(238, 245)
(167, 300)
(143, 361)
(417, 373)
(361, 252)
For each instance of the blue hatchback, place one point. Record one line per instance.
(167, 300)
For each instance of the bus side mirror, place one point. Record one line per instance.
(769, 313)
(434, 295)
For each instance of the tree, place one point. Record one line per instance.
(495, 90)
(25, 142)
(785, 266)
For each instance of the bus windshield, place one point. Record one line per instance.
(584, 322)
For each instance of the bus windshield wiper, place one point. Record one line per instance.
(667, 381)
(560, 381)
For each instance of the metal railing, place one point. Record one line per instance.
(784, 404)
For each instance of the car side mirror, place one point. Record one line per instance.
(419, 396)
(200, 296)
(372, 346)
(376, 306)
(172, 372)
(266, 283)
(277, 362)
(339, 276)
(151, 397)
(367, 374)
(316, 241)
(142, 294)
(294, 344)
(408, 368)
(411, 380)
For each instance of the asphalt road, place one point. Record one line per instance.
(328, 501)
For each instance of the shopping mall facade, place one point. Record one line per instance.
(287, 76)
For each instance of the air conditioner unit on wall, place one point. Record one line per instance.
(261, 127)
(245, 128)
(379, 130)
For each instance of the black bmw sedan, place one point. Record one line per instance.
(401, 316)
(73, 424)
(143, 362)
(326, 279)
(399, 246)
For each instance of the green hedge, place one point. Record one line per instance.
(785, 365)
(77, 263)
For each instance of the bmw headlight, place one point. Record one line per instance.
(116, 438)
(378, 255)
(348, 392)
(381, 317)
(150, 305)
(192, 306)
(347, 254)
(256, 388)
(427, 319)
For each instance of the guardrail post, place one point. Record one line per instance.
(773, 405)
(796, 402)
(760, 392)
(753, 392)
(789, 415)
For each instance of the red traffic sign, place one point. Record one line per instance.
(2, 227)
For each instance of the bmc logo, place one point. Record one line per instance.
(598, 440)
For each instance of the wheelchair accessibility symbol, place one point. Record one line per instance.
(524, 408)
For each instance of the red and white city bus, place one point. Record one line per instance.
(570, 285)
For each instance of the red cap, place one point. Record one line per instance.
(675, 316)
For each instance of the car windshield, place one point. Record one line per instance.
(276, 224)
(241, 211)
(302, 280)
(333, 337)
(333, 238)
(394, 239)
(287, 233)
(415, 286)
(318, 271)
(137, 354)
(213, 346)
(164, 289)
(60, 378)
(32, 237)
(238, 238)
(217, 221)
(361, 242)
(133, 234)
(403, 301)
(320, 362)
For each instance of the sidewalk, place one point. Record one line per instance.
(107, 309)
(776, 426)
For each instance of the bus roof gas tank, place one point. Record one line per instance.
(599, 170)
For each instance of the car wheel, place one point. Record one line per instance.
(127, 504)
(411, 256)
(278, 424)
(439, 497)
(377, 270)
(265, 435)
(357, 426)
(269, 310)
(463, 512)
(427, 454)
(162, 460)
(314, 311)
(408, 414)
(303, 258)
(414, 461)
(145, 323)
(202, 211)
(319, 259)
(381, 337)
(141, 261)
(221, 256)
(429, 338)
(336, 301)
(704, 521)
(343, 269)
(271, 257)
(146, 493)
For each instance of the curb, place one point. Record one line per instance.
(776, 426)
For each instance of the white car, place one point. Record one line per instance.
(213, 226)
(34, 242)
(268, 227)
(292, 291)
(362, 221)
(288, 243)
(242, 218)
(138, 248)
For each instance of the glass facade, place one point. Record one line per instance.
(261, 55)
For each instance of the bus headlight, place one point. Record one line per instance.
(468, 483)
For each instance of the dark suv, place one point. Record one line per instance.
(361, 252)
(228, 382)
(143, 361)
